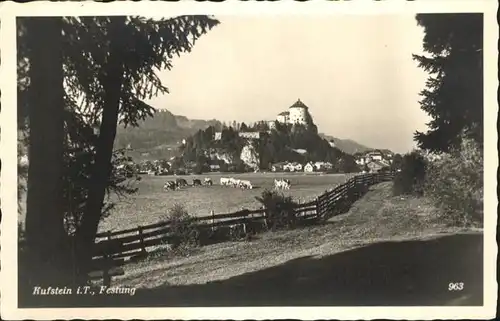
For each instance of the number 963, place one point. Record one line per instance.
(455, 286)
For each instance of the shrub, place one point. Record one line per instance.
(410, 180)
(280, 209)
(455, 183)
(182, 227)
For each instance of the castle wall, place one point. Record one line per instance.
(282, 119)
(298, 115)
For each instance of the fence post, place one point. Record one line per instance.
(106, 278)
(318, 214)
(141, 239)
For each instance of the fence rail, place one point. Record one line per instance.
(135, 242)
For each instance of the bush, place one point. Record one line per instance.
(280, 209)
(410, 180)
(182, 227)
(455, 183)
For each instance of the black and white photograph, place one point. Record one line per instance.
(295, 162)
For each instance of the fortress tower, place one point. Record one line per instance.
(298, 113)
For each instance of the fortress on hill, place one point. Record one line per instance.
(298, 113)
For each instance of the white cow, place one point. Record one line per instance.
(282, 184)
(245, 184)
(224, 181)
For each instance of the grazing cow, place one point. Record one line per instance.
(282, 184)
(196, 182)
(170, 185)
(224, 181)
(181, 182)
(245, 184)
(208, 181)
(235, 182)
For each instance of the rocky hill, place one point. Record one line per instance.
(159, 136)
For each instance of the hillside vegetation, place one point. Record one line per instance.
(273, 146)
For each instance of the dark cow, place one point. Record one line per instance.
(196, 182)
(170, 186)
(181, 182)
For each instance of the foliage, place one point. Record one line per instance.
(397, 162)
(410, 180)
(273, 146)
(455, 183)
(76, 184)
(109, 66)
(182, 229)
(454, 91)
(280, 209)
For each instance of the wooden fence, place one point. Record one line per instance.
(134, 243)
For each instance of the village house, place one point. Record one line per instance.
(375, 166)
(215, 167)
(322, 166)
(298, 167)
(374, 156)
(293, 167)
(361, 161)
(277, 167)
(249, 135)
(309, 167)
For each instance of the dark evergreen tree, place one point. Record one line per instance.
(454, 91)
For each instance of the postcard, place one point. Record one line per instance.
(249, 160)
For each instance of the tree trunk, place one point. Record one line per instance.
(45, 232)
(104, 149)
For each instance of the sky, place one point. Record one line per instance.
(354, 72)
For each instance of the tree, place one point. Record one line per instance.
(44, 217)
(397, 162)
(454, 92)
(109, 66)
(137, 47)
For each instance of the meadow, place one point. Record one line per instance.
(151, 203)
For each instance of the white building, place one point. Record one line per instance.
(298, 113)
(293, 167)
(323, 166)
(283, 117)
(249, 135)
(309, 168)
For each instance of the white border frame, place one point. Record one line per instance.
(8, 151)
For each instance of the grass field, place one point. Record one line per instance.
(151, 203)
(386, 251)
